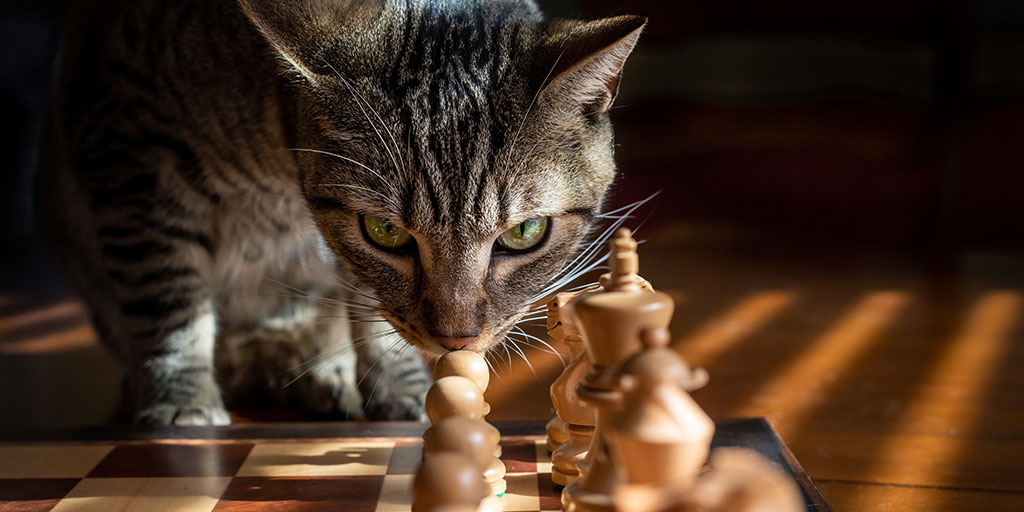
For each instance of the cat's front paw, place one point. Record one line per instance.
(398, 408)
(187, 414)
(330, 396)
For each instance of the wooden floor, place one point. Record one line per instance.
(894, 377)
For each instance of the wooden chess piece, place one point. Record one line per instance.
(454, 396)
(468, 364)
(447, 479)
(659, 436)
(471, 438)
(555, 428)
(741, 480)
(611, 323)
(577, 419)
(556, 327)
(473, 366)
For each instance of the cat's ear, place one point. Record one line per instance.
(581, 61)
(308, 33)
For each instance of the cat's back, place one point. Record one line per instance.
(185, 57)
(168, 120)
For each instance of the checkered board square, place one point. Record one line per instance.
(346, 474)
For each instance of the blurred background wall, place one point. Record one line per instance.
(886, 122)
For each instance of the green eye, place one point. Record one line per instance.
(525, 235)
(384, 233)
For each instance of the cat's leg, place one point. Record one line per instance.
(151, 303)
(298, 349)
(326, 382)
(172, 379)
(393, 377)
(139, 256)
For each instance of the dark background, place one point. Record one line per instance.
(877, 122)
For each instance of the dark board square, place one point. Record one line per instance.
(303, 494)
(405, 457)
(169, 460)
(550, 499)
(519, 456)
(33, 494)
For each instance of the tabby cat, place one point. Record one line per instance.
(304, 196)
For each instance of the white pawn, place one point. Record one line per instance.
(469, 437)
(459, 397)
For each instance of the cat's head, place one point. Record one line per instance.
(455, 155)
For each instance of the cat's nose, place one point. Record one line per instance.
(454, 343)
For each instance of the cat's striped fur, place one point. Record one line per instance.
(208, 162)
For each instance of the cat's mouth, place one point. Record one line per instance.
(434, 347)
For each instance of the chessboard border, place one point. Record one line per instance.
(755, 433)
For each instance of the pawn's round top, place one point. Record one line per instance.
(454, 396)
(470, 437)
(464, 363)
(447, 479)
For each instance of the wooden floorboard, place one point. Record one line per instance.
(894, 498)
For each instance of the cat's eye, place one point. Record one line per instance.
(384, 233)
(524, 236)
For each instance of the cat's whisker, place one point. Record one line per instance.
(376, 173)
(597, 245)
(542, 342)
(619, 219)
(354, 343)
(379, 359)
(360, 101)
(535, 347)
(395, 357)
(568, 279)
(614, 213)
(487, 359)
(518, 350)
(321, 360)
(584, 263)
(507, 353)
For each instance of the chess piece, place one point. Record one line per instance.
(454, 396)
(741, 480)
(471, 365)
(468, 364)
(563, 388)
(611, 323)
(447, 479)
(576, 418)
(471, 438)
(737, 480)
(659, 436)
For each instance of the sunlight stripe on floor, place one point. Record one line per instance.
(727, 330)
(49, 313)
(975, 350)
(801, 386)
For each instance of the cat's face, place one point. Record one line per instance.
(459, 165)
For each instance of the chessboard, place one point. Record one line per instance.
(351, 467)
